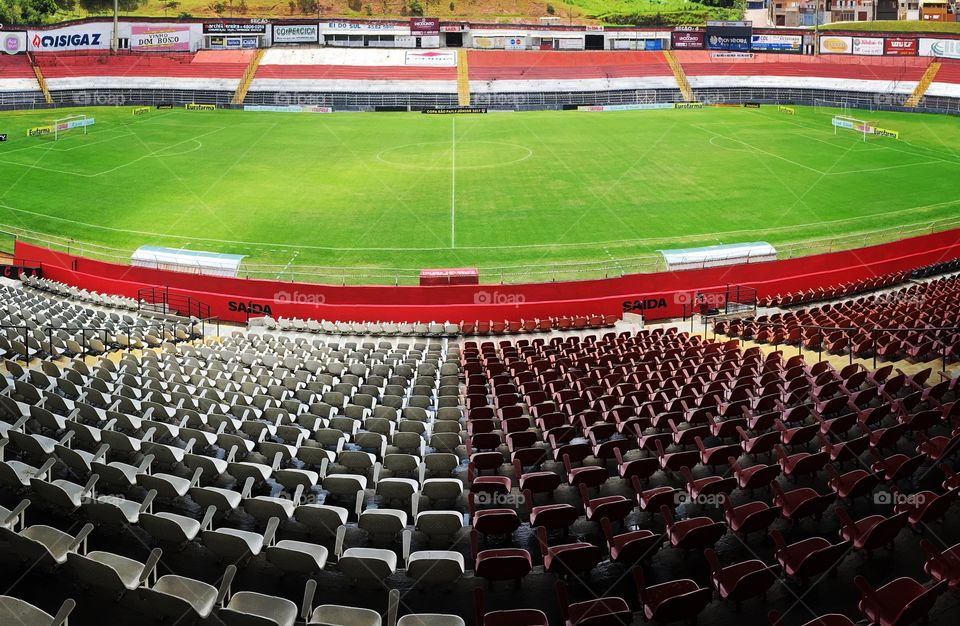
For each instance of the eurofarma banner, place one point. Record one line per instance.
(150, 38)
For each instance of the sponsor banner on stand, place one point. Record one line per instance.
(296, 33)
(455, 111)
(832, 44)
(77, 123)
(569, 43)
(943, 48)
(200, 107)
(141, 110)
(290, 108)
(777, 43)
(787, 110)
(867, 46)
(424, 26)
(149, 38)
(165, 105)
(244, 28)
(731, 55)
(751, 105)
(95, 36)
(900, 46)
(433, 58)
(38, 131)
(14, 42)
(626, 107)
(729, 35)
(842, 123)
(688, 105)
(886, 132)
(687, 40)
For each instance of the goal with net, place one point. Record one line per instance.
(844, 122)
(63, 125)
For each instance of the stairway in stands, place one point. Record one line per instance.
(679, 76)
(247, 78)
(463, 79)
(923, 85)
(40, 80)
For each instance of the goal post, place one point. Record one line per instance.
(844, 122)
(71, 122)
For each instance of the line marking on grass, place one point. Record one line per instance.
(122, 165)
(583, 244)
(881, 169)
(296, 253)
(453, 183)
(776, 156)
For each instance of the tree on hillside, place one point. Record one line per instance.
(31, 11)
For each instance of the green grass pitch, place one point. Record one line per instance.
(529, 192)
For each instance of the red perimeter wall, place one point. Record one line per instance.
(664, 293)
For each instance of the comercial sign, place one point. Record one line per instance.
(355, 26)
(900, 46)
(84, 37)
(159, 38)
(869, 46)
(452, 28)
(14, 42)
(943, 48)
(777, 43)
(243, 28)
(424, 26)
(836, 45)
(296, 33)
(729, 35)
(687, 40)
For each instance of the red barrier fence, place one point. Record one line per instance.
(657, 296)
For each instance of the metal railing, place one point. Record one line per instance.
(149, 298)
(545, 271)
(939, 337)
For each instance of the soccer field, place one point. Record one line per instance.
(525, 194)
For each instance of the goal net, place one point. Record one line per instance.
(844, 122)
(831, 106)
(71, 122)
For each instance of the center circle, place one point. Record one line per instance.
(442, 155)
